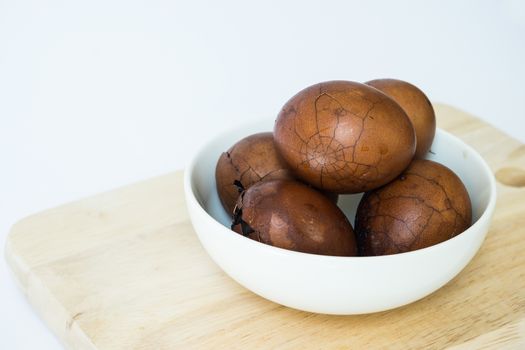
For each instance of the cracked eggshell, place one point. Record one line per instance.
(291, 215)
(427, 204)
(344, 137)
(250, 160)
(416, 105)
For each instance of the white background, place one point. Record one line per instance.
(98, 94)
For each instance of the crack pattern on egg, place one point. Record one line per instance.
(344, 137)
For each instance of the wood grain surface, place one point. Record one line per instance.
(124, 270)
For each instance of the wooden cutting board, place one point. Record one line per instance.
(124, 270)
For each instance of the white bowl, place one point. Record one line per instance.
(329, 284)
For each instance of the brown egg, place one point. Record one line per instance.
(427, 204)
(344, 137)
(252, 159)
(416, 105)
(291, 215)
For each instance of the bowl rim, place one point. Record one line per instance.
(190, 196)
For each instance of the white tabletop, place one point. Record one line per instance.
(98, 94)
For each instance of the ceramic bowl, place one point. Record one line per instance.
(329, 284)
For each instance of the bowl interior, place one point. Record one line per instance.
(446, 149)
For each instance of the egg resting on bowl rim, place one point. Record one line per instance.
(426, 205)
(250, 160)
